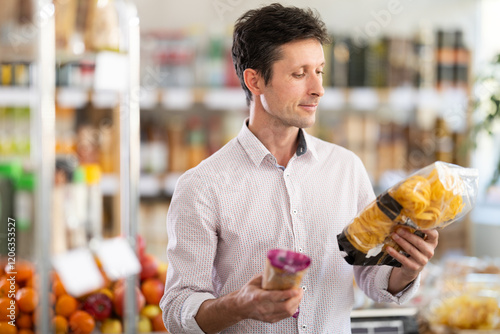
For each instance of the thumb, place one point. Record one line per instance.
(256, 280)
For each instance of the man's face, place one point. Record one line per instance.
(293, 93)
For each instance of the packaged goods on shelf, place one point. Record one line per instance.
(467, 296)
(102, 27)
(432, 197)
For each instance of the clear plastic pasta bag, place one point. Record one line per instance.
(433, 197)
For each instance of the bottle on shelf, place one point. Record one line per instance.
(21, 132)
(426, 58)
(77, 210)
(177, 158)
(10, 171)
(444, 141)
(94, 203)
(339, 68)
(59, 243)
(197, 150)
(445, 57)
(24, 213)
(462, 60)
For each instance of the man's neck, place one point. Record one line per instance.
(280, 140)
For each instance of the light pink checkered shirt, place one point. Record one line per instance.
(236, 205)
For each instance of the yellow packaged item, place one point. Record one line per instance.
(433, 197)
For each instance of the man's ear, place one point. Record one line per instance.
(253, 81)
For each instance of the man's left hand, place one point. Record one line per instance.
(420, 251)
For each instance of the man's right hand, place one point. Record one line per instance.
(267, 305)
(250, 302)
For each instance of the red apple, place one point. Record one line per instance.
(141, 247)
(149, 266)
(152, 289)
(98, 305)
(119, 299)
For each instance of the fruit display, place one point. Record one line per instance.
(100, 311)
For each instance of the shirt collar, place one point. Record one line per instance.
(257, 151)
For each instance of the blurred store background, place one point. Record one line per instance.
(407, 83)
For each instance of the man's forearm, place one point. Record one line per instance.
(218, 314)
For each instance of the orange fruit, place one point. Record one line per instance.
(7, 308)
(60, 324)
(32, 282)
(81, 322)
(58, 288)
(27, 299)
(24, 320)
(6, 288)
(6, 328)
(66, 305)
(24, 270)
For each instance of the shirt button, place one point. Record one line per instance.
(304, 287)
(304, 326)
(287, 174)
(301, 250)
(294, 212)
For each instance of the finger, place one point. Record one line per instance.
(417, 254)
(432, 236)
(280, 296)
(406, 262)
(417, 243)
(256, 280)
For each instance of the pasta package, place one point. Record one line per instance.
(431, 198)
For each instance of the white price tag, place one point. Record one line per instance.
(118, 259)
(78, 271)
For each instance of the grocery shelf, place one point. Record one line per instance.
(17, 96)
(150, 185)
(358, 98)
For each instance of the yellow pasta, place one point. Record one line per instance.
(445, 201)
(369, 229)
(414, 195)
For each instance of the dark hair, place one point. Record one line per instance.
(259, 34)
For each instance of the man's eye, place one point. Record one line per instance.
(321, 72)
(298, 75)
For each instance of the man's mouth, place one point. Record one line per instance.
(309, 106)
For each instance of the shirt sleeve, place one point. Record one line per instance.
(374, 281)
(192, 243)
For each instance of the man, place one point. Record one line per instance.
(275, 186)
